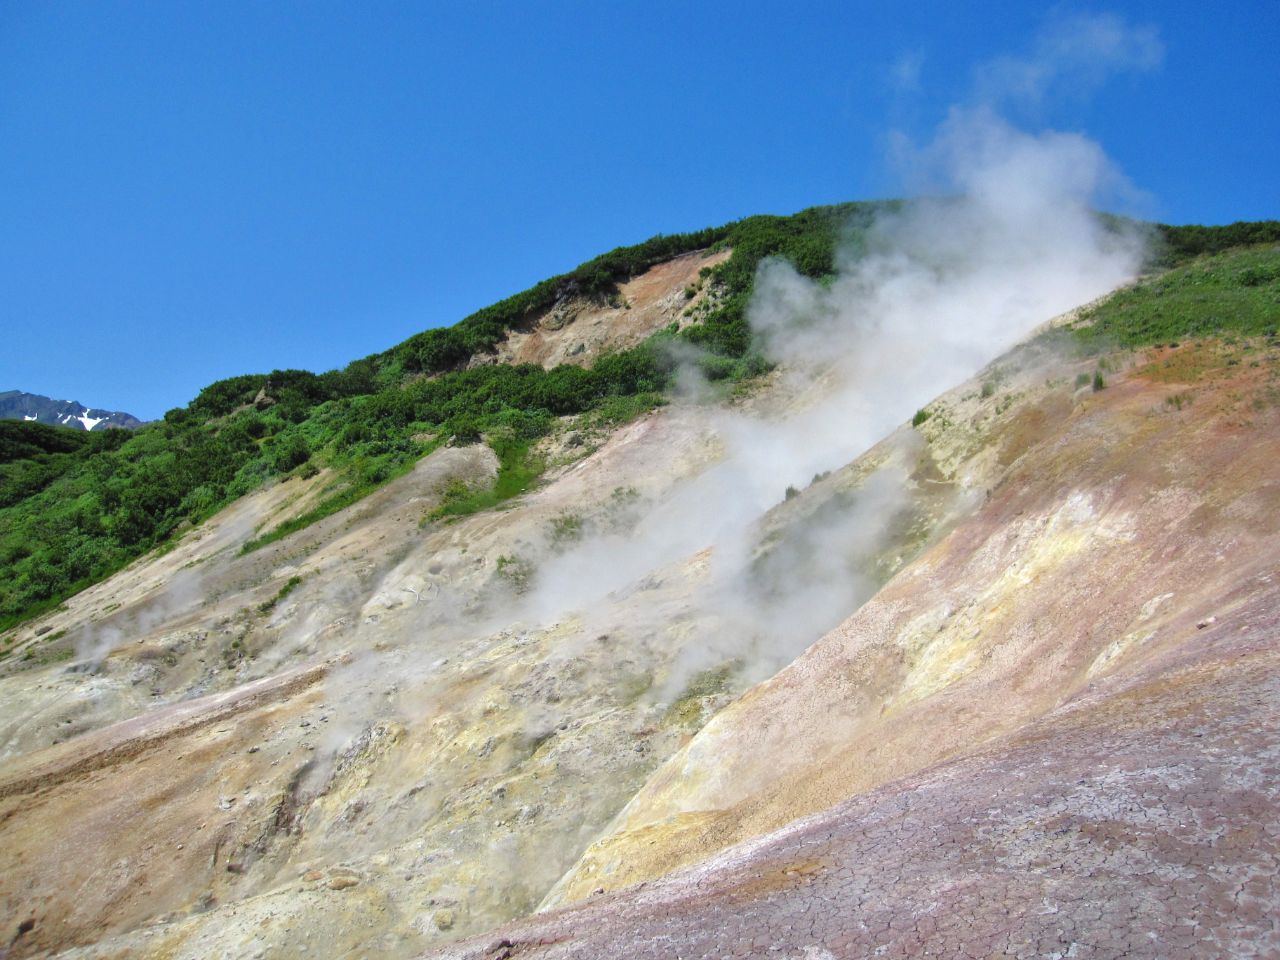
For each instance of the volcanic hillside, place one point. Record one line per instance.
(643, 600)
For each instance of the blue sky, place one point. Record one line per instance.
(192, 191)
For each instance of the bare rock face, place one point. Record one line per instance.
(578, 329)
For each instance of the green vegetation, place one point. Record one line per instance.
(808, 240)
(567, 528)
(997, 378)
(290, 585)
(921, 416)
(27, 440)
(688, 709)
(516, 571)
(344, 497)
(1233, 292)
(1177, 245)
(33, 455)
(1006, 402)
(75, 507)
(518, 470)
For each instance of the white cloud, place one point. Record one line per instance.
(905, 72)
(1072, 56)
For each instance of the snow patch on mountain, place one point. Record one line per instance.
(17, 405)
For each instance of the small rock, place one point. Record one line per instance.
(443, 919)
(1206, 622)
(342, 883)
(312, 875)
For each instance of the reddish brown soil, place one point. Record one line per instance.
(1141, 819)
(1056, 734)
(579, 330)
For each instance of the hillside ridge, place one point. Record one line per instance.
(32, 407)
(629, 637)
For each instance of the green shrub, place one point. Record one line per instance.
(567, 528)
(1236, 292)
(1177, 245)
(290, 585)
(289, 453)
(74, 507)
(516, 571)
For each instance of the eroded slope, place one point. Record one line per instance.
(1138, 819)
(1126, 518)
(451, 743)
(578, 329)
(412, 745)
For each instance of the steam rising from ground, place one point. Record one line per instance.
(926, 296)
(1004, 239)
(183, 591)
(95, 641)
(933, 290)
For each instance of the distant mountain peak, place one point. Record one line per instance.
(17, 405)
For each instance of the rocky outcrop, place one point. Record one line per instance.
(578, 329)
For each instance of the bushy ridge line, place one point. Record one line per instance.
(75, 507)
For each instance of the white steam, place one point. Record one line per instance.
(928, 296)
(95, 641)
(723, 568)
(935, 289)
(1072, 55)
(931, 292)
